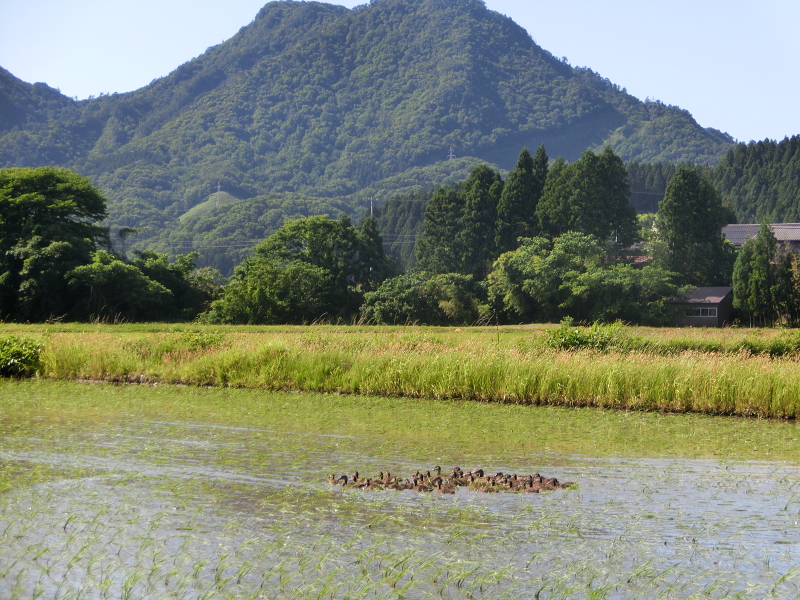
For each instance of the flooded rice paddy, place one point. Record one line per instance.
(138, 493)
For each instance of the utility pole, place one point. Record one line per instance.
(451, 155)
(219, 187)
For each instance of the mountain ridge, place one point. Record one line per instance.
(318, 99)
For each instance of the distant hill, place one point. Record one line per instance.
(761, 181)
(758, 181)
(319, 101)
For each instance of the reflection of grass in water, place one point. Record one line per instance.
(395, 426)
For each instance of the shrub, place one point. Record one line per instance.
(597, 337)
(19, 357)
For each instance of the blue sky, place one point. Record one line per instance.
(732, 64)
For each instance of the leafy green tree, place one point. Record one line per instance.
(309, 269)
(192, 292)
(590, 195)
(424, 299)
(110, 289)
(573, 275)
(690, 222)
(264, 290)
(407, 299)
(516, 210)
(481, 192)
(755, 280)
(48, 226)
(439, 250)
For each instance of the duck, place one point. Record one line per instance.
(372, 486)
(475, 479)
(396, 485)
(529, 489)
(422, 487)
(445, 488)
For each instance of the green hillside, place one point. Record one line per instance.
(761, 180)
(321, 102)
(758, 181)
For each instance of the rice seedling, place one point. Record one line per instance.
(149, 523)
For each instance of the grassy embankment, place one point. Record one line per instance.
(735, 372)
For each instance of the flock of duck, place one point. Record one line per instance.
(436, 481)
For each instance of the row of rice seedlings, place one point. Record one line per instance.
(99, 545)
(565, 563)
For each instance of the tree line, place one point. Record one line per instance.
(550, 240)
(557, 240)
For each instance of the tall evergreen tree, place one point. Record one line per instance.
(516, 210)
(690, 221)
(553, 203)
(786, 292)
(372, 258)
(617, 217)
(481, 191)
(754, 277)
(439, 250)
(590, 195)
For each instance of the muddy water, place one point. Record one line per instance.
(157, 508)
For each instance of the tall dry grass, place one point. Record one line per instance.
(478, 365)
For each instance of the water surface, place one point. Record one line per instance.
(152, 506)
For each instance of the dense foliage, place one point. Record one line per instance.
(758, 181)
(590, 195)
(761, 181)
(323, 101)
(310, 269)
(56, 261)
(420, 298)
(573, 275)
(19, 357)
(690, 222)
(400, 224)
(466, 228)
(766, 281)
(48, 226)
(317, 268)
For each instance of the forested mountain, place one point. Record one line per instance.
(761, 181)
(323, 103)
(758, 182)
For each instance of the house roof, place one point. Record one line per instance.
(706, 295)
(739, 234)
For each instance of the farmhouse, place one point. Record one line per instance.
(705, 307)
(787, 234)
